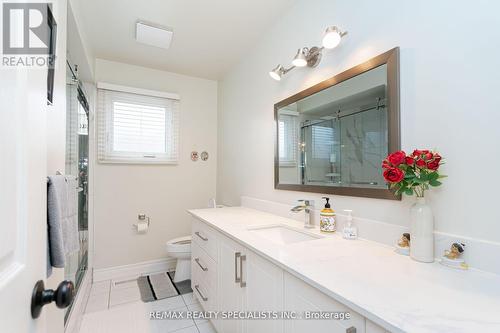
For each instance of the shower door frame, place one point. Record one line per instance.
(82, 101)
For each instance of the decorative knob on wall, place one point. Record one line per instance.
(204, 156)
(194, 156)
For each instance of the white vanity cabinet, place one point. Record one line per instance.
(229, 282)
(301, 297)
(264, 292)
(204, 265)
(229, 278)
(247, 284)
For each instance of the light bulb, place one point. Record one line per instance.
(277, 72)
(331, 38)
(300, 59)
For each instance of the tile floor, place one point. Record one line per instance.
(116, 306)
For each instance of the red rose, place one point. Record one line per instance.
(410, 160)
(394, 175)
(397, 158)
(437, 157)
(428, 156)
(420, 163)
(418, 153)
(385, 164)
(433, 165)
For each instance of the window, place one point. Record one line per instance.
(322, 142)
(287, 135)
(137, 128)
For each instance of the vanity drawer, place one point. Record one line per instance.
(206, 295)
(205, 237)
(203, 266)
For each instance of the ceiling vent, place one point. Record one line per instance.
(153, 34)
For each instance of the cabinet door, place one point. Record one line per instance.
(371, 327)
(300, 298)
(230, 292)
(263, 292)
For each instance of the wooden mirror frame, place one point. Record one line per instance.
(391, 59)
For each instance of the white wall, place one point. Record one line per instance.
(449, 101)
(163, 192)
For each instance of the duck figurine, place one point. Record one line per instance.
(404, 241)
(453, 256)
(403, 245)
(455, 251)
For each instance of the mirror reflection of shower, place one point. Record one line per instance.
(338, 136)
(77, 165)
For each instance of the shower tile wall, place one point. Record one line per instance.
(364, 146)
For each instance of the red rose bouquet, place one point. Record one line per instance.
(412, 174)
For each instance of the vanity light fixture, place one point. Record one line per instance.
(300, 59)
(311, 57)
(279, 71)
(332, 37)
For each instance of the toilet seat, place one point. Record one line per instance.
(179, 245)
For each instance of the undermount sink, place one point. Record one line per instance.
(282, 234)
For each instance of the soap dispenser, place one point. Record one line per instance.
(327, 218)
(350, 231)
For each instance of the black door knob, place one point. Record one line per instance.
(63, 296)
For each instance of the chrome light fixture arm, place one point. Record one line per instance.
(311, 56)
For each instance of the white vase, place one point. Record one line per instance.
(421, 231)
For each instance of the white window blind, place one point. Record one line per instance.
(288, 141)
(135, 128)
(322, 142)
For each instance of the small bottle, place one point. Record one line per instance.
(350, 231)
(327, 218)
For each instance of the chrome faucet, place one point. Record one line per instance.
(308, 207)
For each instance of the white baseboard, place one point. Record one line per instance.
(478, 254)
(134, 270)
(78, 309)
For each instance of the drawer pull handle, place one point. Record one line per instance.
(198, 262)
(243, 284)
(197, 287)
(237, 279)
(197, 233)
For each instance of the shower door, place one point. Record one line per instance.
(345, 150)
(77, 163)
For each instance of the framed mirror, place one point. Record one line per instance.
(332, 137)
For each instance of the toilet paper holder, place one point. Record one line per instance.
(142, 217)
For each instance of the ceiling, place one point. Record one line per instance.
(209, 35)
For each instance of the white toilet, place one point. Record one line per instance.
(180, 248)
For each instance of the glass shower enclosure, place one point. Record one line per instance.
(77, 165)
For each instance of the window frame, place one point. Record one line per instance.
(290, 118)
(105, 121)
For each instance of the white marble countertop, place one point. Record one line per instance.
(392, 290)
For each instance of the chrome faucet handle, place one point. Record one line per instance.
(307, 202)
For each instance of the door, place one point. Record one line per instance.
(263, 292)
(230, 290)
(302, 299)
(23, 191)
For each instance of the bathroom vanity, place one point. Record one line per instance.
(244, 260)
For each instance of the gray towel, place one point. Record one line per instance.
(62, 221)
